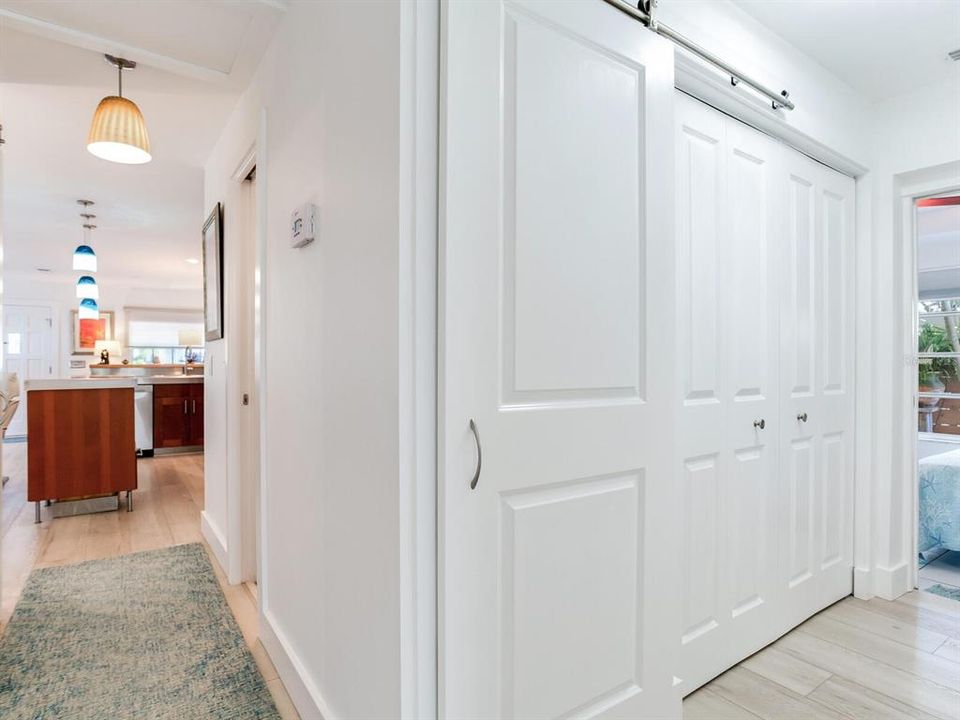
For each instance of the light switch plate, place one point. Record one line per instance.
(303, 225)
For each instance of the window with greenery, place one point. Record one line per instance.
(938, 376)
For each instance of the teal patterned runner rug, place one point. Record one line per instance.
(147, 635)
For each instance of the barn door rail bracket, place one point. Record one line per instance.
(646, 13)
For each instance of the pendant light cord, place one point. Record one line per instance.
(119, 80)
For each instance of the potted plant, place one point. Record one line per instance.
(930, 381)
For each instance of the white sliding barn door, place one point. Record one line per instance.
(557, 322)
(817, 400)
(728, 348)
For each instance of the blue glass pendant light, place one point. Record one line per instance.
(87, 288)
(89, 310)
(84, 259)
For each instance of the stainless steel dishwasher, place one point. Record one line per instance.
(143, 419)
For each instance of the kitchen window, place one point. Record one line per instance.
(164, 336)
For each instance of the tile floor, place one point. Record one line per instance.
(944, 570)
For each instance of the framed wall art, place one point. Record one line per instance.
(87, 332)
(213, 274)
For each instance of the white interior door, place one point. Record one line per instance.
(557, 597)
(765, 423)
(728, 347)
(27, 351)
(817, 404)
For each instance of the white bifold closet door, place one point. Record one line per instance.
(765, 420)
(557, 336)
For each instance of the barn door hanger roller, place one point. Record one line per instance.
(646, 13)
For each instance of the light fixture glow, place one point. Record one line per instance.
(87, 288)
(89, 310)
(193, 261)
(84, 259)
(118, 132)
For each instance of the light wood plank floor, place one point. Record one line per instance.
(873, 660)
(166, 512)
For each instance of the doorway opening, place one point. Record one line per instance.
(937, 326)
(28, 352)
(249, 426)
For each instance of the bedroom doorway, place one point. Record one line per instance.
(937, 223)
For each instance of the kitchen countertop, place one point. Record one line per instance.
(169, 379)
(81, 383)
(121, 366)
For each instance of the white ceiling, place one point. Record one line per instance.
(194, 60)
(881, 48)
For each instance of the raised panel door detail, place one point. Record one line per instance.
(834, 275)
(698, 235)
(746, 284)
(570, 567)
(572, 212)
(801, 300)
(800, 510)
(557, 234)
(833, 508)
(749, 528)
(701, 551)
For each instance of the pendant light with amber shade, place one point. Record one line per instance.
(118, 132)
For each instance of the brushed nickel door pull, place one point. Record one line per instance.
(802, 417)
(476, 437)
(761, 423)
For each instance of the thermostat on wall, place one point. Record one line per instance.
(303, 225)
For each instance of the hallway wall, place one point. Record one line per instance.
(913, 133)
(329, 88)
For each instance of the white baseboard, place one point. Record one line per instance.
(863, 584)
(891, 583)
(214, 539)
(305, 695)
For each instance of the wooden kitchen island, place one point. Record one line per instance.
(80, 440)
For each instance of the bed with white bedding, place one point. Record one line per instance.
(940, 501)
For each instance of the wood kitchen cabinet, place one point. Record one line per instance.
(81, 439)
(178, 415)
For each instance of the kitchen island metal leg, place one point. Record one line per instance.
(129, 501)
(36, 519)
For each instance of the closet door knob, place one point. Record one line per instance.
(761, 423)
(802, 417)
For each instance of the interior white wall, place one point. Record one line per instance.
(914, 137)
(329, 88)
(115, 294)
(827, 109)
